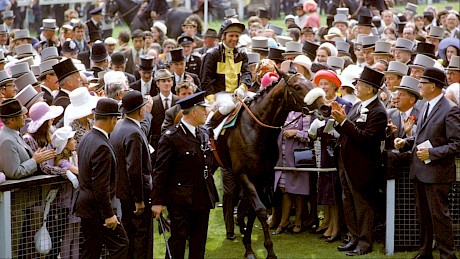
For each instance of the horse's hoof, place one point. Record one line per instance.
(250, 256)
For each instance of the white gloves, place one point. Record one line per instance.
(240, 92)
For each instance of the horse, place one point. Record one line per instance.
(358, 7)
(250, 149)
(131, 13)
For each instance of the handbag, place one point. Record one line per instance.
(42, 238)
(304, 157)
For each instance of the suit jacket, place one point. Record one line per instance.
(84, 58)
(170, 116)
(16, 156)
(394, 115)
(183, 171)
(442, 129)
(131, 78)
(94, 27)
(196, 81)
(130, 65)
(85, 46)
(158, 114)
(61, 99)
(134, 165)
(97, 167)
(137, 86)
(359, 145)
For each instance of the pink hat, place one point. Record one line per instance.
(329, 75)
(41, 112)
(268, 78)
(310, 6)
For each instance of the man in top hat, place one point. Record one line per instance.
(259, 44)
(133, 54)
(8, 20)
(95, 203)
(99, 58)
(69, 79)
(403, 50)
(365, 25)
(264, 17)
(368, 47)
(145, 84)
(118, 63)
(293, 49)
(210, 40)
(382, 51)
(7, 87)
(393, 76)
(49, 80)
(192, 61)
(434, 147)
(341, 23)
(17, 160)
(276, 55)
(184, 183)
(134, 168)
(95, 23)
(361, 133)
(420, 63)
(177, 67)
(453, 71)
(4, 39)
(48, 34)
(435, 35)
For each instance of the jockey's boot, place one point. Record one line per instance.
(216, 119)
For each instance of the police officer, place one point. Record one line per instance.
(192, 60)
(183, 181)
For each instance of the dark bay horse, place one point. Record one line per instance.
(251, 150)
(135, 15)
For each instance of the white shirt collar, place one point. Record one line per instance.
(66, 91)
(434, 101)
(191, 128)
(103, 131)
(408, 112)
(164, 97)
(135, 121)
(367, 102)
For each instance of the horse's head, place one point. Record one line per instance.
(111, 8)
(301, 94)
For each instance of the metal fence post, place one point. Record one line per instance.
(5, 225)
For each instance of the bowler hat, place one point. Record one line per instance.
(210, 33)
(398, 68)
(282, 40)
(19, 69)
(403, 44)
(94, 36)
(230, 13)
(193, 100)
(436, 76)
(49, 53)
(310, 49)
(24, 80)
(69, 46)
(95, 11)
(98, 52)
(11, 108)
(49, 24)
(162, 74)
(132, 101)
(185, 40)
(64, 69)
(25, 50)
(293, 48)
(107, 107)
(177, 55)
(425, 49)
(454, 63)
(436, 32)
(365, 20)
(410, 84)
(28, 96)
(422, 61)
(372, 77)
(145, 63)
(47, 68)
(276, 54)
(118, 58)
(263, 14)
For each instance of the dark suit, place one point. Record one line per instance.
(84, 58)
(432, 181)
(137, 86)
(94, 27)
(97, 167)
(47, 95)
(193, 64)
(170, 116)
(360, 162)
(61, 99)
(131, 78)
(183, 181)
(134, 183)
(85, 46)
(130, 64)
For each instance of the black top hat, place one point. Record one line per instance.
(365, 20)
(276, 54)
(263, 14)
(210, 33)
(425, 49)
(96, 11)
(98, 52)
(69, 46)
(107, 107)
(11, 108)
(118, 58)
(64, 68)
(94, 36)
(132, 101)
(177, 55)
(185, 40)
(436, 76)
(193, 100)
(401, 18)
(145, 63)
(372, 77)
(310, 49)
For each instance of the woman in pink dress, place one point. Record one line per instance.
(313, 19)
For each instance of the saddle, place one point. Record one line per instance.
(226, 121)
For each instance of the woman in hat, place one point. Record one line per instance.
(324, 51)
(313, 19)
(159, 31)
(168, 45)
(448, 47)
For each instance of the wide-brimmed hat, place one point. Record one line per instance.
(445, 43)
(231, 25)
(422, 61)
(436, 76)
(49, 53)
(382, 48)
(398, 68)
(163, 74)
(365, 20)
(64, 69)
(11, 107)
(132, 101)
(310, 48)
(25, 50)
(28, 96)
(329, 75)
(230, 13)
(333, 33)
(49, 24)
(276, 54)
(282, 40)
(60, 138)
(278, 30)
(22, 34)
(454, 63)
(349, 75)
(96, 10)
(260, 43)
(436, 32)
(98, 52)
(263, 14)
(372, 77)
(69, 46)
(193, 100)
(369, 42)
(146, 63)
(340, 18)
(293, 48)
(118, 59)
(19, 69)
(425, 48)
(47, 68)
(410, 84)
(404, 44)
(7, 14)
(107, 107)
(253, 58)
(40, 112)
(336, 62)
(185, 40)
(5, 77)
(189, 22)
(81, 104)
(24, 80)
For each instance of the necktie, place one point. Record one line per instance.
(166, 103)
(425, 116)
(197, 134)
(136, 60)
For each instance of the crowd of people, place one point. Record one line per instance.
(129, 123)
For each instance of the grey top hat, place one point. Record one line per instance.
(369, 42)
(2, 57)
(36, 70)
(398, 68)
(3, 29)
(360, 38)
(22, 34)
(404, 44)
(340, 18)
(343, 47)
(50, 53)
(260, 43)
(253, 58)
(5, 77)
(344, 11)
(24, 80)
(28, 60)
(278, 30)
(422, 61)
(410, 84)
(28, 96)
(335, 62)
(49, 24)
(283, 40)
(25, 50)
(230, 13)
(411, 7)
(7, 14)
(293, 48)
(454, 63)
(337, 39)
(19, 70)
(47, 67)
(436, 32)
(382, 48)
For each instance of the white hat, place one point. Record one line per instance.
(305, 62)
(161, 26)
(60, 138)
(349, 74)
(81, 104)
(114, 76)
(331, 47)
(41, 112)
(110, 40)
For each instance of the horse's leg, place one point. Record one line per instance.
(250, 213)
(260, 211)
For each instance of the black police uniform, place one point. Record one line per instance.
(193, 64)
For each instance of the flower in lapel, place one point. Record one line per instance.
(364, 110)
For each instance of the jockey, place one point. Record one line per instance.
(225, 70)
